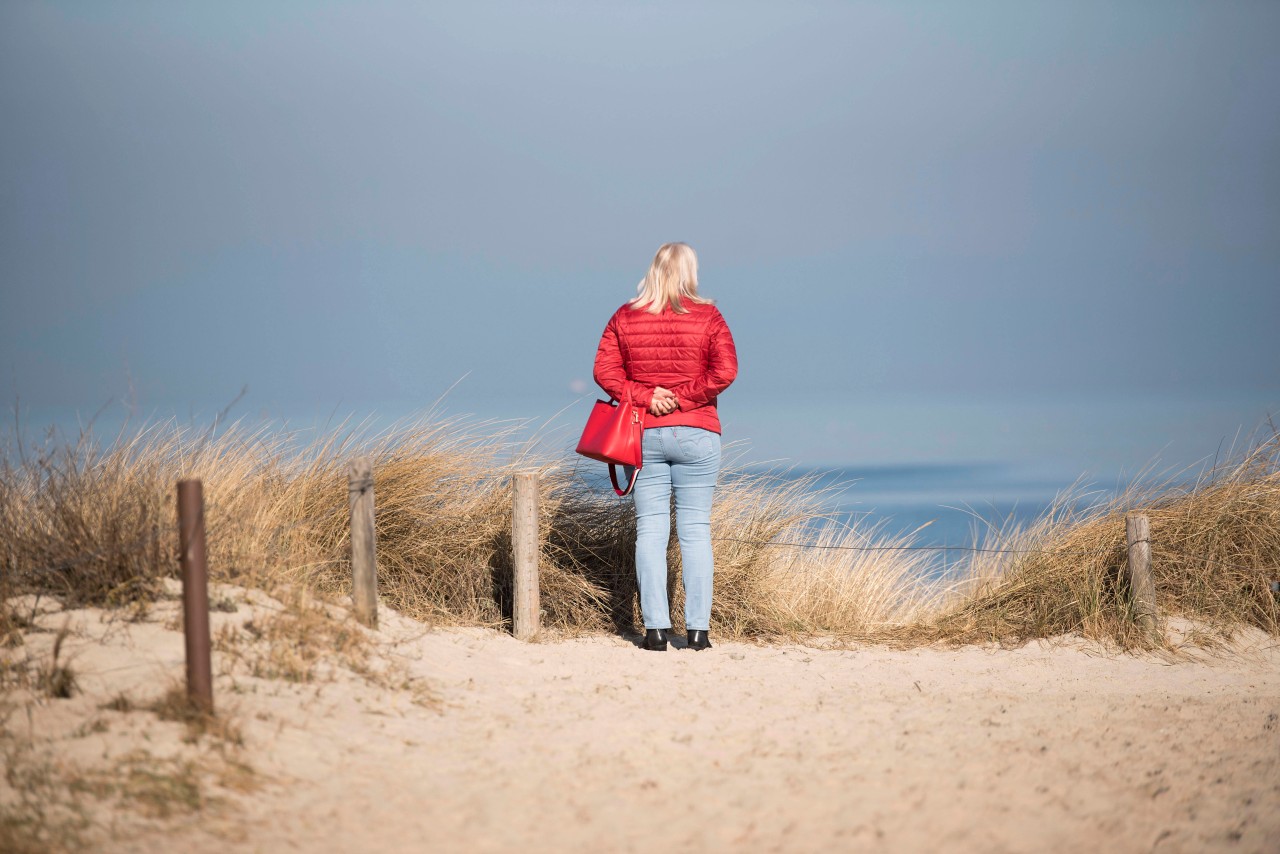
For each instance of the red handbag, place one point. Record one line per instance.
(614, 434)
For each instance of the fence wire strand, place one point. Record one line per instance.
(102, 554)
(825, 546)
(276, 531)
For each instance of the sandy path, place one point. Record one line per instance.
(594, 744)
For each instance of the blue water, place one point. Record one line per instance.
(934, 504)
(943, 504)
(948, 506)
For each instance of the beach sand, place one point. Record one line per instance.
(473, 741)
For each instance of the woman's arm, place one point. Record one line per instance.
(721, 370)
(610, 372)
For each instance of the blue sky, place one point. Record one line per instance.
(938, 230)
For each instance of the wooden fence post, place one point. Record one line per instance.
(195, 593)
(524, 550)
(1142, 590)
(364, 569)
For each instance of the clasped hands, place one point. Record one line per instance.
(663, 403)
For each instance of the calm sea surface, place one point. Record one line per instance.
(934, 504)
(940, 504)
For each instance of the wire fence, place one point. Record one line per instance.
(133, 546)
(1166, 549)
(899, 548)
(129, 548)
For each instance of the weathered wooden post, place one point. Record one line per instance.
(1142, 590)
(364, 569)
(524, 551)
(195, 593)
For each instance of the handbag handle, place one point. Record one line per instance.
(627, 391)
(637, 417)
(631, 484)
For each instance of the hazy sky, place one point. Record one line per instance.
(905, 210)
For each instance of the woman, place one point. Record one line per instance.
(671, 350)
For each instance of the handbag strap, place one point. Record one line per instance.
(639, 411)
(613, 467)
(631, 484)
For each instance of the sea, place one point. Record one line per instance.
(941, 505)
(942, 510)
(944, 504)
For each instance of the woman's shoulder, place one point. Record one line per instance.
(620, 315)
(706, 312)
(702, 312)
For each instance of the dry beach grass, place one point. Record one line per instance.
(1215, 542)
(89, 562)
(93, 524)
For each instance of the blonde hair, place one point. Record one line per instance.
(672, 279)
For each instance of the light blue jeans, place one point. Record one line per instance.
(687, 458)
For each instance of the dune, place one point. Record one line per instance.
(330, 737)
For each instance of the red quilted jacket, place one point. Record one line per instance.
(690, 354)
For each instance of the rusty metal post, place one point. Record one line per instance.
(195, 593)
(364, 543)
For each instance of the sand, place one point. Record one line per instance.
(473, 741)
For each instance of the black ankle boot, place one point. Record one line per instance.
(699, 639)
(655, 639)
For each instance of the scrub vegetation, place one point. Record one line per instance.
(1215, 546)
(92, 523)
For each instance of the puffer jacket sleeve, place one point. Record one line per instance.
(611, 371)
(720, 371)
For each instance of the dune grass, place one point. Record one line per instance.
(1215, 542)
(93, 523)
